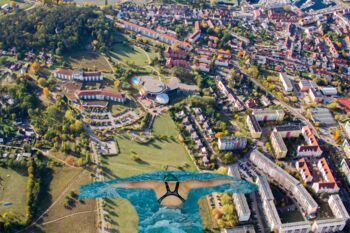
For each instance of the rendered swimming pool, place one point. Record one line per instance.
(154, 218)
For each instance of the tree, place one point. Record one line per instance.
(116, 83)
(46, 91)
(213, 2)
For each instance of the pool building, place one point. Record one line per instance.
(154, 88)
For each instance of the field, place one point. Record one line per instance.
(154, 156)
(81, 218)
(88, 60)
(128, 54)
(12, 190)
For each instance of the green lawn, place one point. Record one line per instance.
(129, 54)
(13, 190)
(154, 156)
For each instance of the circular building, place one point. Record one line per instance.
(150, 86)
(162, 98)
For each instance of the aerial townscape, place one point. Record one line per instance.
(96, 90)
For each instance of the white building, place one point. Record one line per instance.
(240, 200)
(329, 91)
(231, 143)
(268, 115)
(101, 95)
(347, 129)
(269, 207)
(287, 84)
(285, 181)
(78, 75)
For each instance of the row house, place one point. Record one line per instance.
(170, 62)
(175, 53)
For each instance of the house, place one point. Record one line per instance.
(231, 143)
(170, 62)
(194, 37)
(202, 67)
(265, 101)
(328, 184)
(175, 53)
(344, 102)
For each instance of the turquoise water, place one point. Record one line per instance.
(135, 80)
(154, 218)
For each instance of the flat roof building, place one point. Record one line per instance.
(278, 145)
(232, 143)
(268, 115)
(287, 84)
(240, 200)
(254, 127)
(323, 116)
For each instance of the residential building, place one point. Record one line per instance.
(175, 53)
(288, 131)
(345, 167)
(346, 147)
(315, 95)
(328, 225)
(312, 148)
(328, 91)
(78, 75)
(287, 84)
(231, 143)
(268, 115)
(285, 181)
(239, 200)
(265, 101)
(347, 129)
(100, 95)
(254, 126)
(304, 85)
(295, 227)
(304, 168)
(344, 102)
(337, 207)
(278, 145)
(269, 207)
(328, 184)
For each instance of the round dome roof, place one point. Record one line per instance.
(162, 98)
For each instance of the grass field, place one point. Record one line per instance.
(154, 156)
(128, 54)
(87, 60)
(13, 189)
(81, 218)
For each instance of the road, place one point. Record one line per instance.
(99, 177)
